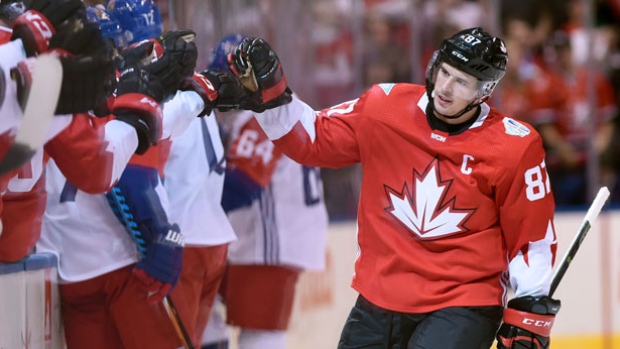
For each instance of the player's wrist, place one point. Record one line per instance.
(535, 323)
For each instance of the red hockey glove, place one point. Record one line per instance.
(527, 323)
(37, 25)
(259, 69)
(159, 271)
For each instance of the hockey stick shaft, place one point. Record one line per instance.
(586, 224)
(121, 211)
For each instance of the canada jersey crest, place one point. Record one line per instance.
(424, 206)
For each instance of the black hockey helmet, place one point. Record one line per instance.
(474, 52)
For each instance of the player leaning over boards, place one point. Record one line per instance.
(455, 203)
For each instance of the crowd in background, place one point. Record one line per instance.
(562, 78)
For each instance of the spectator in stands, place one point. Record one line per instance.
(565, 133)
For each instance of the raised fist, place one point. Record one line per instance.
(259, 69)
(172, 60)
(137, 103)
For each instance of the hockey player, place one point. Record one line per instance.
(48, 27)
(276, 208)
(455, 202)
(97, 255)
(194, 181)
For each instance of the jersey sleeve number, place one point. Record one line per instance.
(537, 182)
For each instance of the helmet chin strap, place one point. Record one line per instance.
(471, 106)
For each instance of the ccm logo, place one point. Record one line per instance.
(537, 323)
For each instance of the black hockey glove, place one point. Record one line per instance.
(172, 60)
(527, 323)
(178, 61)
(37, 25)
(220, 89)
(79, 36)
(88, 71)
(259, 69)
(87, 81)
(139, 94)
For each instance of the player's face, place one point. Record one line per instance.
(454, 90)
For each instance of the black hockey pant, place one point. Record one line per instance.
(371, 327)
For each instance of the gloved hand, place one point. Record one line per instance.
(527, 323)
(160, 269)
(134, 200)
(79, 36)
(219, 89)
(86, 82)
(89, 77)
(172, 60)
(259, 69)
(37, 25)
(178, 61)
(139, 94)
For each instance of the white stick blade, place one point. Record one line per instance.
(597, 204)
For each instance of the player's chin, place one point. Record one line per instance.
(445, 108)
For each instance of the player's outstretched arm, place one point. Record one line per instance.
(527, 323)
(139, 94)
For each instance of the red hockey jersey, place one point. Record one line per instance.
(443, 219)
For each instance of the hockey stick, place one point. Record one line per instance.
(588, 220)
(38, 112)
(121, 211)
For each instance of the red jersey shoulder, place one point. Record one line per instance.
(387, 101)
(394, 92)
(512, 137)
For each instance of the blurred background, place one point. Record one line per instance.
(563, 75)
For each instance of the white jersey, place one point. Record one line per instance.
(194, 180)
(287, 224)
(82, 230)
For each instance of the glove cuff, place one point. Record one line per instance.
(535, 323)
(35, 30)
(138, 103)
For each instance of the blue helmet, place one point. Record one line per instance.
(140, 19)
(219, 56)
(109, 26)
(11, 9)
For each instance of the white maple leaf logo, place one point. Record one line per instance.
(427, 213)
